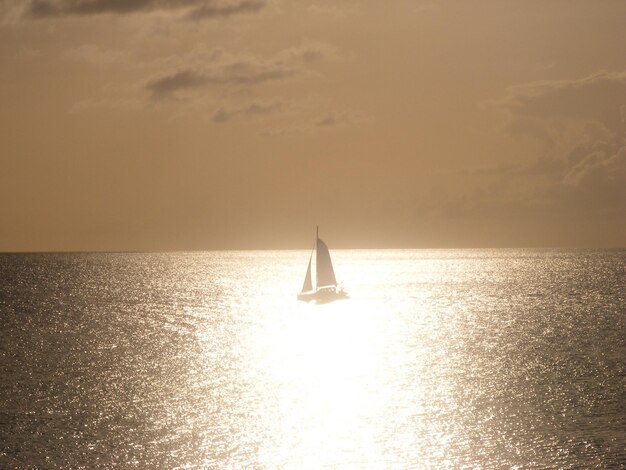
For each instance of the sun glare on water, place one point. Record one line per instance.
(324, 367)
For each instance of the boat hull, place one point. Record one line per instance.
(323, 295)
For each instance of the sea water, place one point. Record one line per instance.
(439, 359)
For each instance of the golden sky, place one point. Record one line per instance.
(202, 124)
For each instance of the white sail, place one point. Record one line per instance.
(308, 286)
(324, 266)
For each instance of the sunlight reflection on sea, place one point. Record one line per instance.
(441, 358)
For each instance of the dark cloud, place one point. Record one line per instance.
(250, 111)
(166, 86)
(241, 72)
(211, 10)
(327, 121)
(222, 115)
(195, 9)
(311, 52)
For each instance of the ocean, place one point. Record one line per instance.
(439, 359)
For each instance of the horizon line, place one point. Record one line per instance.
(138, 251)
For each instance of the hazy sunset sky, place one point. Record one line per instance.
(207, 124)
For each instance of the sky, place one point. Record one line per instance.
(242, 124)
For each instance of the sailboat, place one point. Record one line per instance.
(326, 288)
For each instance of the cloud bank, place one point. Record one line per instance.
(600, 97)
(577, 171)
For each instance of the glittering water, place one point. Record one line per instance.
(480, 358)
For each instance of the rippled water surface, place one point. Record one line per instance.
(480, 358)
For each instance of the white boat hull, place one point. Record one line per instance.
(322, 295)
